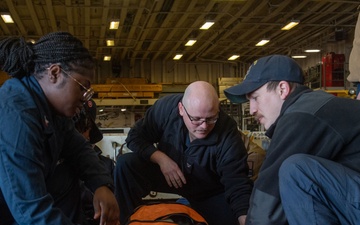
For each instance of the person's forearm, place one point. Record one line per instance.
(157, 156)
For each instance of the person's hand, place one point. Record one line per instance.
(242, 219)
(106, 207)
(172, 173)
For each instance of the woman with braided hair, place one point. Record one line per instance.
(50, 82)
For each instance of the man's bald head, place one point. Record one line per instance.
(200, 93)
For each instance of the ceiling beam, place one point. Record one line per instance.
(156, 7)
(104, 27)
(160, 35)
(34, 17)
(51, 15)
(69, 16)
(87, 23)
(247, 5)
(187, 32)
(16, 18)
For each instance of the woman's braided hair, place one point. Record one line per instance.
(19, 58)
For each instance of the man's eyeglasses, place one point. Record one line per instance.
(198, 121)
(89, 92)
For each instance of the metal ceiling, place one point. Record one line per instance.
(158, 29)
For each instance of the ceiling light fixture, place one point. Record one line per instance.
(114, 25)
(107, 58)
(298, 56)
(110, 42)
(207, 25)
(233, 57)
(190, 42)
(177, 56)
(262, 42)
(312, 50)
(290, 25)
(7, 18)
(31, 41)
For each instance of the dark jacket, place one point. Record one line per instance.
(32, 140)
(311, 122)
(215, 164)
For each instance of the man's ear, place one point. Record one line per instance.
(54, 73)
(181, 109)
(284, 89)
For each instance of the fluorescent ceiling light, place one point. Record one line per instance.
(298, 56)
(107, 58)
(114, 25)
(312, 50)
(190, 42)
(110, 42)
(32, 41)
(234, 57)
(262, 42)
(177, 56)
(290, 25)
(207, 25)
(7, 18)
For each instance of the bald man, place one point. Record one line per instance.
(187, 145)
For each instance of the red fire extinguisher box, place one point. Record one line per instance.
(333, 70)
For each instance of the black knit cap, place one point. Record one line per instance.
(18, 58)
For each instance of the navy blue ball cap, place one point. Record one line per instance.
(263, 70)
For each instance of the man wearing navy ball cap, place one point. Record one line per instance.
(271, 68)
(313, 134)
